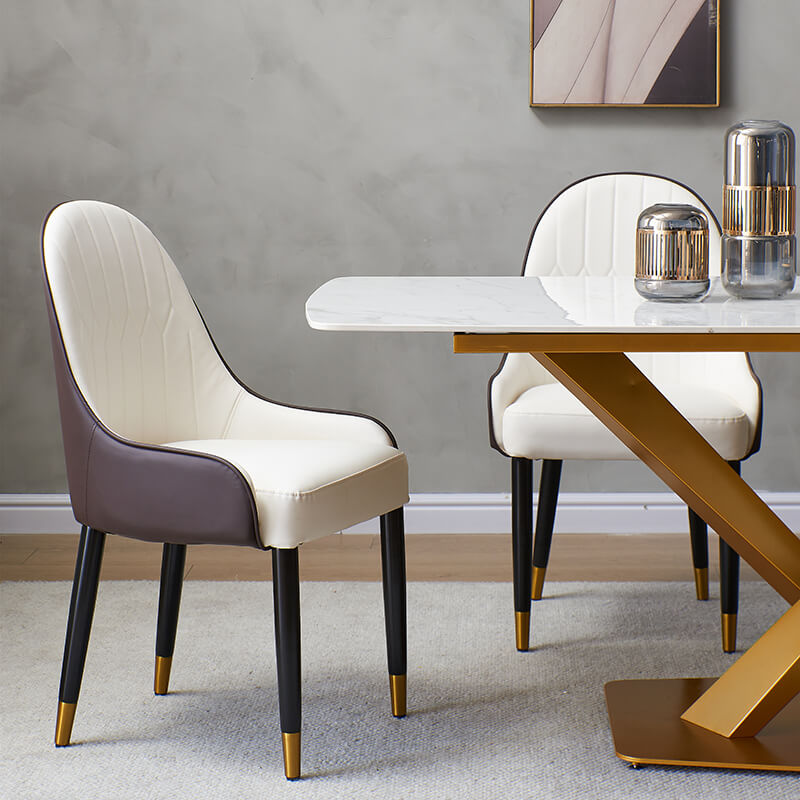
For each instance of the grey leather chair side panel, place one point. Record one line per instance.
(77, 428)
(757, 436)
(143, 491)
(493, 443)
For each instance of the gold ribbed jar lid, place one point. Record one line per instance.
(672, 243)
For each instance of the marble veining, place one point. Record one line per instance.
(533, 304)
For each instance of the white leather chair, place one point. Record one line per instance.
(589, 229)
(163, 443)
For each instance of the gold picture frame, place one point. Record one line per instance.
(674, 62)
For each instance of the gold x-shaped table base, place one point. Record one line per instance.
(750, 717)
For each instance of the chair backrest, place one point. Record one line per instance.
(136, 344)
(589, 228)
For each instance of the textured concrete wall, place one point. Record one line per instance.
(274, 145)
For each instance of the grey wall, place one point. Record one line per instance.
(273, 145)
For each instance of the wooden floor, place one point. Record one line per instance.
(430, 557)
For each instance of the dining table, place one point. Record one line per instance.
(581, 329)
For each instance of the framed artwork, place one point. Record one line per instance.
(624, 53)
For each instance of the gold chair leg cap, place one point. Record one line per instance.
(537, 582)
(64, 720)
(522, 621)
(397, 690)
(161, 680)
(729, 632)
(291, 755)
(701, 582)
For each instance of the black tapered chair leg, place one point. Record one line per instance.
(286, 594)
(73, 600)
(549, 481)
(522, 546)
(173, 563)
(729, 586)
(698, 533)
(728, 594)
(393, 566)
(79, 626)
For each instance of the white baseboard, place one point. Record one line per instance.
(598, 512)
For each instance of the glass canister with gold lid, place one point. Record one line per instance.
(758, 210)
(672, 252)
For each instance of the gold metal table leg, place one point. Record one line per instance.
(753, 692)
(763, 680)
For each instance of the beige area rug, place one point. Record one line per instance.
(484, 721)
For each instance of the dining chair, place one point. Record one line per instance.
(163, 443)
(589, 229)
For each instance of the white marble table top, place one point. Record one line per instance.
(534, 305)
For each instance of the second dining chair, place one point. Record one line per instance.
(164, 444)
(589, 229)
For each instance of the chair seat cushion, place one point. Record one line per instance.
(305, 489)
(549, 422)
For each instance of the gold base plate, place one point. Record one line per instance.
(647, 729)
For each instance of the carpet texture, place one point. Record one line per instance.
(484, 721)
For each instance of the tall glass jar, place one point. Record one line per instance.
(758, 215)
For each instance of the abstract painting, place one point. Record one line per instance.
(624, 53)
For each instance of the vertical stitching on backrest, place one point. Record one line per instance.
(79, 246)
(69, 224)
(584, 266)
(162, 334)
(107, 294)
(194, 385)
(232, 412)
(610, 269)
(148, 296)
(75, 294)
(117, 249)
(557, 226)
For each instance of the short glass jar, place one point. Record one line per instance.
(672, 253)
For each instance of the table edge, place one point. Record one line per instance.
(628, 342)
